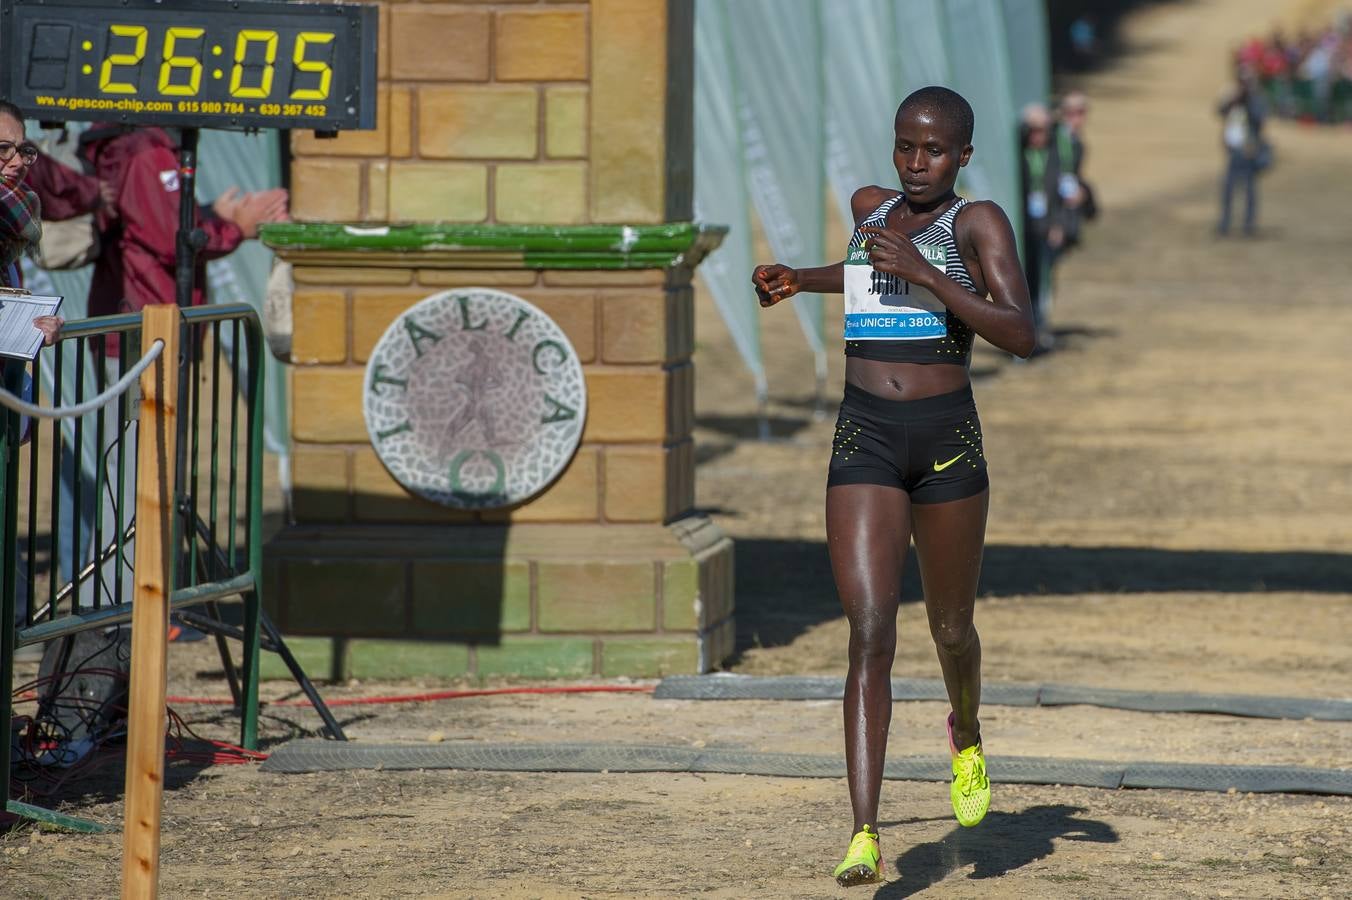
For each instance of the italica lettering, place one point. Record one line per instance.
(465, 317)
(540, 348)
(520, 318)
(378, 377)
(560, 412)
(418, 334)
(391, 432)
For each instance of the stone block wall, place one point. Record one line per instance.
(516, 112)
(566, 114)
(527, 600)
(634, 334)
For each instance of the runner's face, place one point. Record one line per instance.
(11, 131)
(927, 157)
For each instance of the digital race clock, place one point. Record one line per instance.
(192, 63)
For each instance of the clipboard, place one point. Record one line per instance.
(19, 337)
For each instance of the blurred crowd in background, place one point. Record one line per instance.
(1306, 76)
(1058, 201)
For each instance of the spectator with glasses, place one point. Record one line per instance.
(20, 232)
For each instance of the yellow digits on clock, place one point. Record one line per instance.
(138, 53)
(173, 61)
(269, 41)
(303, 42)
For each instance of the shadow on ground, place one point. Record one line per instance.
(999, 845)
(784, 587)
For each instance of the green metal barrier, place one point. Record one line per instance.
(83, 579)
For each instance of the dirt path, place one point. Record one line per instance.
(1170, 511)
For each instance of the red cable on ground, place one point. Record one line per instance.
(438, 695)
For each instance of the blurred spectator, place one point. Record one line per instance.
(1083, 34)
(20, 233)
(135, 266)
(1043, 222)
(1077, 196)
(1247, 152)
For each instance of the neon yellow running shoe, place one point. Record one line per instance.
(863, 861)
(971, 788)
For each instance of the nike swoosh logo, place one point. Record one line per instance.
(939, 467)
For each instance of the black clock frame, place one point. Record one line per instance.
(51, 86)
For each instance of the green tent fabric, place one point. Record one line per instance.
(251, 162)
(1026, 36)
(721, 190)
(780, 107)
(815, 85)
(863, 85)
(975, 35)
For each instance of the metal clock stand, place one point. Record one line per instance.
(190, 241)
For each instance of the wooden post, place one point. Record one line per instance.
(146, 717)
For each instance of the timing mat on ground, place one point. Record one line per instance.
(808, 687)
(314, 755)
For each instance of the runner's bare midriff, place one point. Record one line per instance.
(904, 381)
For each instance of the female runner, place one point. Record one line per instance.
(924, 271)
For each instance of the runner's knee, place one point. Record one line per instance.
(873, 639)
(953, 637)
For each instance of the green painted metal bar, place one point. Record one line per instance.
(253, 536)
(120, 491)
(60, 820)
(233, 489)
(99, 436)
(562, 239)
(195, 390)
(115, 615)
(54, 556)
(34, 444)
(9, 516)
(77, 481)
(215, 447)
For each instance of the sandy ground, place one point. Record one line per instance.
(1170, 511)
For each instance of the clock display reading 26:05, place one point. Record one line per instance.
(247, 63)
(250, 63)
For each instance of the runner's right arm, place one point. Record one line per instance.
(777, 282)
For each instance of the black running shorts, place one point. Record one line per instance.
(930, 448)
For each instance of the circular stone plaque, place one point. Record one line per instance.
(474, 398)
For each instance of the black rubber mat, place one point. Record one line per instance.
(1250, 705)
(313, 755)
(797, 687)
(807, 687)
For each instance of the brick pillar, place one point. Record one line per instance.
(493, 165)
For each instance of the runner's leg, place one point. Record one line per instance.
(867, 530)
(949, 539)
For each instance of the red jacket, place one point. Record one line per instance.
(135, 267)
(64, 192)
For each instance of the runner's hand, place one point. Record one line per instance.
(774, 283)
(892, 252)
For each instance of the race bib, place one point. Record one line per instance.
(888, 308)
(1037, 204)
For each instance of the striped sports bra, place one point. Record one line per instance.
(889, 319)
